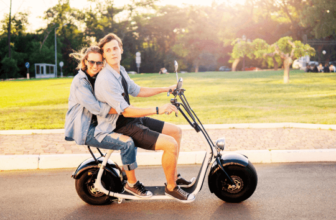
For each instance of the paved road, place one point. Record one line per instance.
(236, 139)
(285, 191)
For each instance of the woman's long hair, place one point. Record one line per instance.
(83, 55)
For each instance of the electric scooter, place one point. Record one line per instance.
(232, 177)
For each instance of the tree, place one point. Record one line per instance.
(241, 49)
(199, 37)
(129, 23)
(321, 15)
(288, 50)
(9, 68)
(265, 52)
(65, 21)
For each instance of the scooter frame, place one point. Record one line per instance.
(211, 157)
(193, 190)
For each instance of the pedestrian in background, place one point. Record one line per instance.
(326, 68)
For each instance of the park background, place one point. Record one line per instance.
(200, 37)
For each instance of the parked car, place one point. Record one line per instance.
(332, 63)
(313, 63)
(224, 68)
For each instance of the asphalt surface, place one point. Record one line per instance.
(285, 191)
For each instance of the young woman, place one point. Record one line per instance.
(81, 119)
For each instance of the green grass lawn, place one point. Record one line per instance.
(217, 97)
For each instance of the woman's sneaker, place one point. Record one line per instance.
(138, 190)
(184, 183)
(180, 195)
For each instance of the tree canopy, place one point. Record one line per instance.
(199, 37)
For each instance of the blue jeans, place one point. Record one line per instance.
(127, 149)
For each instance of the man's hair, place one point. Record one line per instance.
(109, 38)
(83, 55)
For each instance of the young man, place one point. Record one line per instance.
(113, 86)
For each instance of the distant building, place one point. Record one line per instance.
(45, 70)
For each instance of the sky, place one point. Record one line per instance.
(38, 7)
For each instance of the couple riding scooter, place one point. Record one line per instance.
(114, 87)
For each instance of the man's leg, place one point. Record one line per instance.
(175, 132)
(169, 161)
(169, 158)
(151, 138)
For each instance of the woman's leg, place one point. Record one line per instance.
(127, 157)
(128, 152)
(120, 142)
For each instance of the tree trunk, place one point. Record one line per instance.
(234, 64)
(243, 68)
(287, 63)
(9, 29)
(196, 67)
(276, 65)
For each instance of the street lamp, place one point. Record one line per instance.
(324, 53)
(138, 59)
(56, 49)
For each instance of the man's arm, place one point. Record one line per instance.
(135, 112)
(148, 92)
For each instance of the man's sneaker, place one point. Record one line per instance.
(180, 195)
(184, 183)
(138, 190)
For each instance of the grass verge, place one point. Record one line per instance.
(216, 97)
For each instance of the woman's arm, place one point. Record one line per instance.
(112, 111)
(86, 98)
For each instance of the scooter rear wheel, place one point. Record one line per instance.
(245, 179)
(86, 191)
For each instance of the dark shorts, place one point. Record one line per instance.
(144, 131)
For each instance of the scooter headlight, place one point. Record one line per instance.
(220, 143)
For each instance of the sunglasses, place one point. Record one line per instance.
(92, 63)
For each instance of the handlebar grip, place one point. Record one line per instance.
(168, 93)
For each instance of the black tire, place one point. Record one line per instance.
(246, 182)
(85, 189)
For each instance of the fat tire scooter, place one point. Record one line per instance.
(232, 177)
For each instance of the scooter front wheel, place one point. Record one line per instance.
(85, 187)
(245, 179)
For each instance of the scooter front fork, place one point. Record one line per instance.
(226, 174)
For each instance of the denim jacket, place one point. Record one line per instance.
(82, 104)
(109, 89)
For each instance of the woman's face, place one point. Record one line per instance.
(94, 63)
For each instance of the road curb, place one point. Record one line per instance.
(28, 162)
(188, 127)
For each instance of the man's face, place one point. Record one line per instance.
(112, 52)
